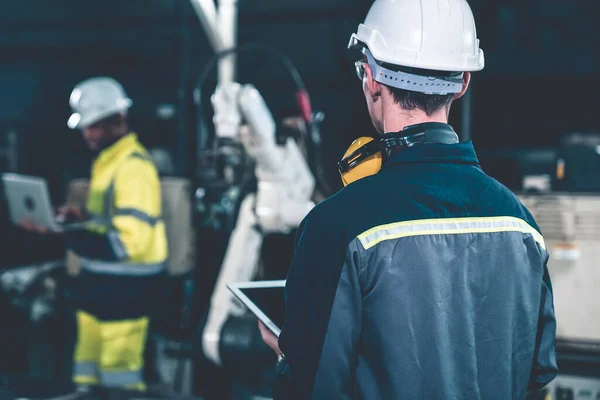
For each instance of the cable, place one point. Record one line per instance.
(295, 74)
(302, 98)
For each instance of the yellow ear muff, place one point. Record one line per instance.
(369, 166)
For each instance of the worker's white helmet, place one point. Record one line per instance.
(437, 35)
(96, 99)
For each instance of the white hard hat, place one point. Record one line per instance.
(437, 35)
(96, 99)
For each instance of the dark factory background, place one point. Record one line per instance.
(541, 82)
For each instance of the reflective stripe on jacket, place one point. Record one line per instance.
(425, 281)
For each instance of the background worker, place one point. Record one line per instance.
(424, 278)
(124, 251)
(124, 247)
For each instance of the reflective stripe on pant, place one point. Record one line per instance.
(110, 353)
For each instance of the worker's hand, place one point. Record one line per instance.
(70, 213)
(269, 338)
(32, 227)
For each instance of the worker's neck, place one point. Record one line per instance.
(119, 135)
(109, 141)
(395, 119)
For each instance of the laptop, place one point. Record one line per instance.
(28, 199)
(265, 299)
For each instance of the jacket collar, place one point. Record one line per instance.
(462, 153)
(115, 150)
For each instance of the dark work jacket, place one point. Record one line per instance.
(425, 281)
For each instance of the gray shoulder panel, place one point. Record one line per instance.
(444, 306)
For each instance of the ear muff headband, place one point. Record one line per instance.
(365, 155)
(361, 154)
(363, 158)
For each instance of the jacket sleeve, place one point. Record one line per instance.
(323, 317)
(544, 364)
(136, 209)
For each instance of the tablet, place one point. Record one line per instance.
(265, 299)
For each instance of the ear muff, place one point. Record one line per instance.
(365, 155)
(363, 158)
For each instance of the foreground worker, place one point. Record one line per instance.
(424, 278)
(124, 249)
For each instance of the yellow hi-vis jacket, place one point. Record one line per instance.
(126, 235)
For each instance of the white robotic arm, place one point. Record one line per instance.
(283, 198)
(285, 183)
(240, 264)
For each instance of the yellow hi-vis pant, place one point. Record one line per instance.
(111, 353)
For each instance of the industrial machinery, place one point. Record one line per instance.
(244, 127)
(562, 192)
(283, 198)
(32, 308)
(571, 227)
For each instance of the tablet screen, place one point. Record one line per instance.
(270, 301)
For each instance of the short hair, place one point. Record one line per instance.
(430, 103)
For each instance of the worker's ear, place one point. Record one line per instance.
(370, 86)
(466, 82)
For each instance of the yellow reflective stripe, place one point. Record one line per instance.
(447, 226)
